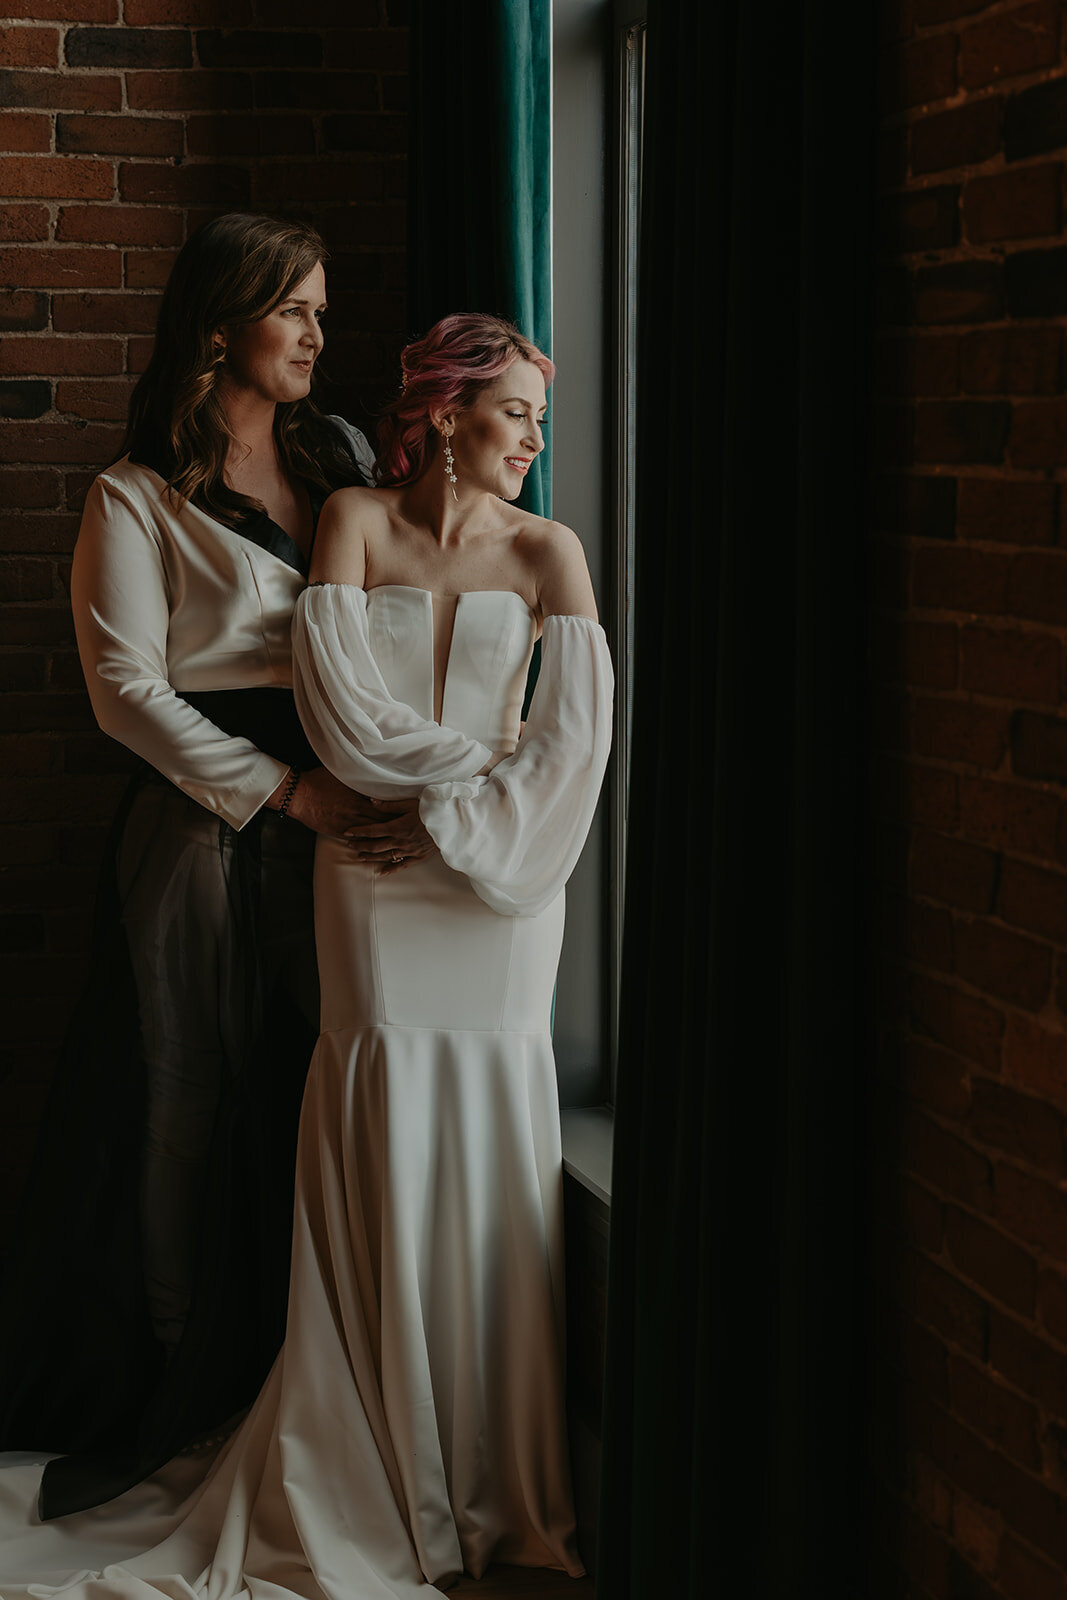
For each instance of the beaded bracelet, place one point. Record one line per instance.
(294, 778)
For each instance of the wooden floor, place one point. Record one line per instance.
(502, 1583)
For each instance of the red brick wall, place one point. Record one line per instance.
(116, 140)
(969, 628)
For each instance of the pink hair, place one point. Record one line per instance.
(445, 370)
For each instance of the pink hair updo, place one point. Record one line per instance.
(445, 370)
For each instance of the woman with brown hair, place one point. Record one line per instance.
(146, 1299)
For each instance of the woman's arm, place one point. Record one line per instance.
(121, 605)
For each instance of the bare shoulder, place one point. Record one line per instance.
(348, 518)
(557, 559)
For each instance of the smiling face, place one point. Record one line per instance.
(272, 358)
(494, 441)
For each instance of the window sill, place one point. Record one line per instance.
(587, 1139)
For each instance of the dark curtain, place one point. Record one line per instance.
(479, 214)
(732, 1448)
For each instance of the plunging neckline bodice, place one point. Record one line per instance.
(468, 670)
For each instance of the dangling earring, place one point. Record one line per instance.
(450, 468)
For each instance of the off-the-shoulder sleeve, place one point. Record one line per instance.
(518, 832)
(370, 741)
(121, 611)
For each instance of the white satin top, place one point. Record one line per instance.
(166, 600)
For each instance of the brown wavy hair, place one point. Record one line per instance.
(235, 269)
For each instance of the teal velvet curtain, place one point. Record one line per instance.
(480, 182)
(733, 1432)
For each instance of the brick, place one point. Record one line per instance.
(29, 397)
(1034, 1210)
(138, 353)
(929, 937)
(64, 10)
(961, 1022)
(1033, 898)
(128, 47)
(30, 489)
(360, 178)
(374, 49)
(252, 47)
(1039, 746)
(921, 794)
(366, 131)
(936, 1078)
(952, 871)
(954, 730)
(55, 178)
(188, 91)
(945, 1305)
(958, 432)
(1008, 816)
(328, 13)
(25, 130)
(1035, 1056)
(119, 136)
(1013, 42)
(48, 444)
(53, 91)
(252, 136)
(921, 219)
(959, 292)
(148, 269)
(1010, 663)
(1037, 586)
(1020, 204)
(928, 13)
(60, 268)
(1052, 1303)
(995, 1412)
(1035, 120)
(120, 225)
(1009, 511)
(924, 506)
(21, 310)
(26, 224)
(189, 13)
(1023, 1572)
(1035, 284)
(95, 401)
(1003, 964)
(926, 365)
(961, 578)
(187, 185)
(1021, 361)
(57, 357)
(104, 313)
(1019, 1124)
(318, 91)
(30, 47)
(1038, 433)
(19, 669)
(396, 92)
(962, 137)
(917, 1217)
(976, 1530)
(921, 653)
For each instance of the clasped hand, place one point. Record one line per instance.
(387, 834)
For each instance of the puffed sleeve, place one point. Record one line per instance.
(518, 832)
(121, 606)
(370, 741)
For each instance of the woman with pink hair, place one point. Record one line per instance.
(413, 1424)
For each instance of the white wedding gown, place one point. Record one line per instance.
(413, 1424)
